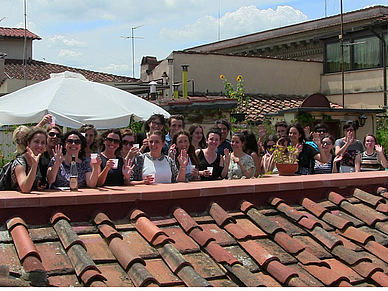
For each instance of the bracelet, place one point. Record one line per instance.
(184, 168)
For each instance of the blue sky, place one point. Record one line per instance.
(89, 33)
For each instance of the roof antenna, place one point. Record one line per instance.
(219, 20)
(25, 44)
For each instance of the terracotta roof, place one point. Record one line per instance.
(38, 70)
(262, 104)
(366, 14)
(17, 32)
(314, 230)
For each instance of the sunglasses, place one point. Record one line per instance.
(73, 141)
(125, 142)
(52, 134)
(327, 142)
(87, 125)
(321, 131)
(116, 141)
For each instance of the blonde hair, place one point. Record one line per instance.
(18, 136)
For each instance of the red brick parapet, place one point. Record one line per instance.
(162, 197)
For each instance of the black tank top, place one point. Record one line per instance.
(203, 164)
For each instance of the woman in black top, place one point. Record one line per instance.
(209, 158)
(307, 154)
(111, 175)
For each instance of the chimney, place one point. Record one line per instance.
(171, 74)
(184, 80)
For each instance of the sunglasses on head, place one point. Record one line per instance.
(52, 134)
(125, 142)
(116, 141)
(73, 141)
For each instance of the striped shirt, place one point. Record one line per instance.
(370, 162)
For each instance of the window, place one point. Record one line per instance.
(359, 53)
(334, 57)
(366, 53)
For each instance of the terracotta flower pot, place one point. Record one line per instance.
(287, 169)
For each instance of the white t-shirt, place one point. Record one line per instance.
(161, 169)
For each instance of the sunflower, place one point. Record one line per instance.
(222, 77)
(239, 78)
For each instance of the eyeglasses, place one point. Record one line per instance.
(116, 141)
(156, 123)
(125, 142)
(73, 141)
(327, 142)
(52, 134)
(321, 130)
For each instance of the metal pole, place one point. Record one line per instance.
(381, 37)
(133, 52)
(25, 44)
(342, 56)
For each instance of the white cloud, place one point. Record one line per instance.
(70, 56)
(246, 19)
(60, 41)
(116, 69)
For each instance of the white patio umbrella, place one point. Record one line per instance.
(74, 101)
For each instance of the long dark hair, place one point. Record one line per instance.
(103, 136)
(193, 127)
(300, 129)
(152, 118)
(84, 128)
(250, 144)
(81, 153)
(190, 150)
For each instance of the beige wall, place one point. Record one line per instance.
(261, 75)
(14, 48)
(11, 85)
(363, 89)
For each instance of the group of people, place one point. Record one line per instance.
(320, 153)
(121, 157)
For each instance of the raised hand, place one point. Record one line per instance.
(183, 158)
(349, 137)
(227, 155)
(307, 132)
(299, 147)
(262, 131)
(34, 158)
(172, 151)
(127, 168)
(316, 138)
(378, 148)
(58, 155)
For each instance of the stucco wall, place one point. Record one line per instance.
(261, 75)
(363, 89)
(14, 48)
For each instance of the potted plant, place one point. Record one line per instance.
(286, 159)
